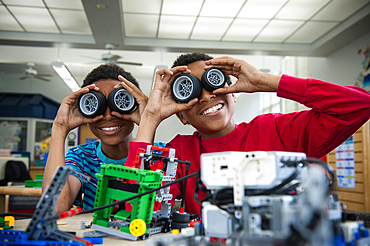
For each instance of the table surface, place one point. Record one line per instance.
(74, 224)
(20, 191)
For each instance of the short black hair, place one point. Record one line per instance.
(186, 59)
(108, 71)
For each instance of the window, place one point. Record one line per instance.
(42, 141)
(271, 103)
(13, 135)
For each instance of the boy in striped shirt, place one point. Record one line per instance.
(113, 129)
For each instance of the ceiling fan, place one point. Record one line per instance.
(30, 72)
(112, 58)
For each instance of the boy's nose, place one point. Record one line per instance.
(108, 114)
(206, 96)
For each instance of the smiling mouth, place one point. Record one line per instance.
(109, 129)
(212, 109)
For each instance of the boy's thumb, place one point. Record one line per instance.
(224, 90)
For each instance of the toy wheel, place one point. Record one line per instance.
(212, 79)
(178, 225)
(137, 227)
(92, 104)
(186, 87)
(121, 101)
(181, 217)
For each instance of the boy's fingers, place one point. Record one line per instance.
(225, 90)
(188, 105)
(131, 88)
(90, 87)
(126, 82)
(179, 69)
(178, 72)
(226, 60)
(224, 68)
(173, 70)
(164, 71)
(92, 120)
(72, 98)
(121, 78)
(163, 74)
(122, 116)
(85, 90)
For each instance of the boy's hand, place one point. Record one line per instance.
(161, 103)
(69, 116)
(140, 97)
(250, 79)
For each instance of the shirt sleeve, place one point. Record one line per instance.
(336, 113)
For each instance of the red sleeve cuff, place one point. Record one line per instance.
(292, 88)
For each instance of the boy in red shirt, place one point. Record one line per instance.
(336, 113)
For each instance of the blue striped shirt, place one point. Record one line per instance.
(87, 159)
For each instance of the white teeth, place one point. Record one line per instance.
(111, 128)
(213, 109)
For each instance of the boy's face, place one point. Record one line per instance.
(212, 115)
(110, 129)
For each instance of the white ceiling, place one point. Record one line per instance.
(154, 32)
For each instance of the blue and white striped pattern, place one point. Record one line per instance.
(87, 159)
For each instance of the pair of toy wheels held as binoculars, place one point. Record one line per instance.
(94, 103)
(184, 88)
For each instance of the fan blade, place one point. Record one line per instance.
(45, 75)
(114, 57)
(24, 77)
(130, 63)
(41, 78)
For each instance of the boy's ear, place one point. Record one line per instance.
(182, 118)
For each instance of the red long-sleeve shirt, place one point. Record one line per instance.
(337, 112)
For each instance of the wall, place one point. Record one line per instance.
(343, 66)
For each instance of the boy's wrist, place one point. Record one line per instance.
(269, 82)
(147, 128)
(59, 130)
(150, 118)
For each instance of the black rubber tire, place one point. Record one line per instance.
(92, 104)
(121, 101)
(186, 87)
(212, 79)
(178, 225)
(180, 217)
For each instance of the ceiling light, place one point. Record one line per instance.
(101, 6)
(65, 75)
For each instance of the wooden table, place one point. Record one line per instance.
(17, 191)
(74, 224)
